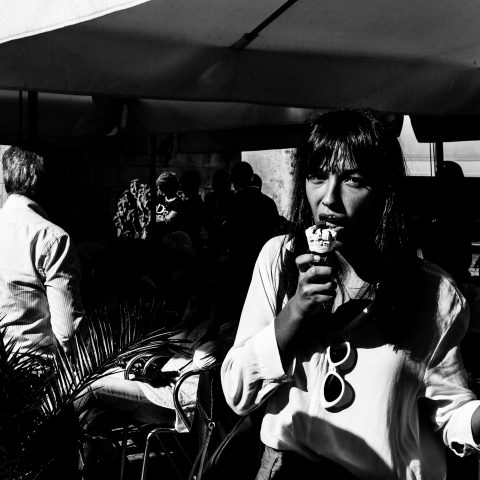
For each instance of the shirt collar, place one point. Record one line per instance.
(289, 245)
(16, 200)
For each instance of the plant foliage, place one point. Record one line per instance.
(38, 427)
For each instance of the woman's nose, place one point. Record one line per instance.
(331, 198)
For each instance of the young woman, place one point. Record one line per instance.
(356, 362)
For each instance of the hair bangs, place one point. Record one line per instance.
(330, 159)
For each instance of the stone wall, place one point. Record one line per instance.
(275, 170)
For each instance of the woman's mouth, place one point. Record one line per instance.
(334, 227)
(332, 221)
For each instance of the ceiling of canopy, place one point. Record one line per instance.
(197, 126)
(190, 67)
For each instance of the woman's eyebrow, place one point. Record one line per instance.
(350, 171)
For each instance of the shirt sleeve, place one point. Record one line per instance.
(62, 276)
(446, 379)
(252, 368)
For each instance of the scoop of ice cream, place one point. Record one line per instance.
(321, 239)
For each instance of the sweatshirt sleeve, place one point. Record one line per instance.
(446, 379)
(252, 369)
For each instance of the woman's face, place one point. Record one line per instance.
(353, 203)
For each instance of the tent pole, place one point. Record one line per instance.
(438, 157)
(249, 37)
(20, 115)
(153, 185)
(32, 116)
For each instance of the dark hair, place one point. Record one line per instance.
(257, 180)
(221, 180)
(168, 183)
(190, 181)
(450, 170)
(347, 138)
(23, 172)
(351, 139)
(451, 181)
(242, 173)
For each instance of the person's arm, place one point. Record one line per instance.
(62, 277)
(315, 287)
(252, 368)
(475, 425)
(170, 216)
(261, 357)
(455, 406)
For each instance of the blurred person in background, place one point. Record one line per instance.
(257, 181)
(170, 204)
(40, 304)
(194, 214)
(253, 219)
(447, 241)
(218, 203)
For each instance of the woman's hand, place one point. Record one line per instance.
(315, 286)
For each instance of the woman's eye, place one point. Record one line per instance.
(316, 177)
(356, 181)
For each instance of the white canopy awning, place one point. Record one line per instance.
(409, 57)
(22, 18)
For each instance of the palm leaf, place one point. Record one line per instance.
(37, 392)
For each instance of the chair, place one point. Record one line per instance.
(185, 451)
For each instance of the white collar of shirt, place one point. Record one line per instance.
(15, 201)
(289, 245)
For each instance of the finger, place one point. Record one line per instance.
(318, 299)
(319, 290)
(317, 272)
(304, 262)
(325, 298)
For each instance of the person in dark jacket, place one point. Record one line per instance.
(252, 221)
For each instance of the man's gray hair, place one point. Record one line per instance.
(22, 171)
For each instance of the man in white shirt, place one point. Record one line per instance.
(40, 304)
